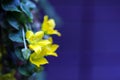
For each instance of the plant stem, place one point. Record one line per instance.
(23, 32)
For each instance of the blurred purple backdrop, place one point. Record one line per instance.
(90, 42)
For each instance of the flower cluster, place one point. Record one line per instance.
(41, 46)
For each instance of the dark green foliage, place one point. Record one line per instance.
(14, 16)
(19, 54)
(10, 5)
(16, 36)
(16, 12)
(27, 69)
(14, 23)
(26, 10)
(26, 53)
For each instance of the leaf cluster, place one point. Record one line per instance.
(16, 15)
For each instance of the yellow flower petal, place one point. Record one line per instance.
(32, 40)
(54, 47)
(54, 32)
(50, 50)
(37, 60)
(36, 48)
(39, 35)
(43, 61)
(44, 42)
(51, 23)
(29, 34)
(52, 54)
(45, 18)
(50, 39)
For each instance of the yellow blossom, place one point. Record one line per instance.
(33, 38)
(50, 49)
(48, 26)
(36, 40)
(41, 47)
(38, 59)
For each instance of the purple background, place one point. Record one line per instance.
(90, 42)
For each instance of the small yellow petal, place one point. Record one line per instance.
(45, 18)
(45, 25)
(39, 35)
(52, 54)
(36, 48)
(54, 32)
(29, 34)
(50, 50)
(43, 61)
(57, 33)
(44, 42)
(50, 39)
(54, 47)
(32, 39)
(51, 23)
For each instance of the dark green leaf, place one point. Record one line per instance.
(27, 69)
(14, 23)
(26, 53)
(22, 18)
(11, 5)
(38, 76)
(19, 54)
(16, 36)
(23, 71)
(30, 5)
(26, 10)
(24, 1)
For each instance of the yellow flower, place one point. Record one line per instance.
(48, 26)
(50, 49)
(38, 59)
(36, 40)
(35, 48)
(33, 38)
(41, 47)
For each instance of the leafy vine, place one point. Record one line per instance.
(23, 51)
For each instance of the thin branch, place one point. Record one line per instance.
(23, 32)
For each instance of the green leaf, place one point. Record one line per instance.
(23, 71)
(26, 53)
(24, 1)
(26, 10)
(19, 54)
(11, 5)
(14, 23)
(16, 37)
(17, 18)
(30, 5)
(38, 76)
(26, 69)
(22, 18)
